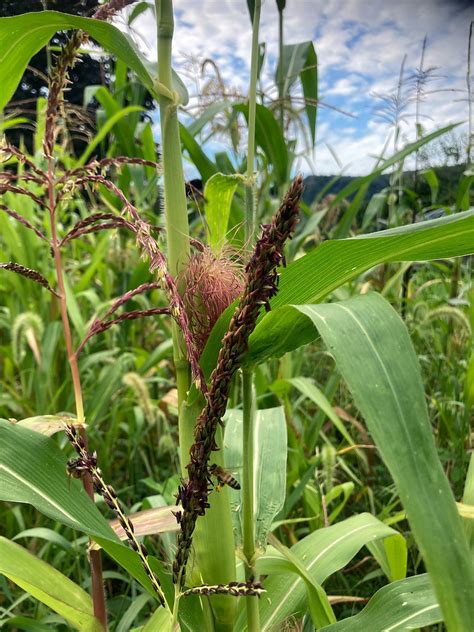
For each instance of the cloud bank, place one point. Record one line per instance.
(360, 47)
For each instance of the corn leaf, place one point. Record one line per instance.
(312, 277)
(270, 449)
(23, 36)
(33, 471)
(219, 192)
(46, 584)
(300, 60)
(323, 553)
(408, 604)
(375, 356)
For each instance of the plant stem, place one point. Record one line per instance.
(176, 213)
(249, 192)
(213, 538)
(469, 97)
(253, 616)
(98, 594)
(281, 78)
(248, 500)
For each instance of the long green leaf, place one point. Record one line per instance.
(408, 604)
(318, 602)
(301, 60)
(376, 358)
(309, 81)
(312, 277)
(270, 449)
(45, 583)
(323, 552)
(110, 123)
(23, 36)
(33, 471)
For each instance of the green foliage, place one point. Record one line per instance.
(48, 585)
(327, 482)
(269, 468)
(218, 193)
(408, 604)
(300, 60)
(389, 393)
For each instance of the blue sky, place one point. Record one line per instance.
(360, 47)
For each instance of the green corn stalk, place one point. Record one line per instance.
(248, 518)
(215, 530)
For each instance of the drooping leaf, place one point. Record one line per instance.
(138, 9)
(33, 471)
(46, 584)
(312, 277)
(23, 36)
(219, 191)
(110, 123)
(323, 552)
(375, 356)
(43, 533)
(409, 604)
(269, 473)
(318, 602)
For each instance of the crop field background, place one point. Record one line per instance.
(236, 316)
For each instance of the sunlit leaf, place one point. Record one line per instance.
(218, 193)
(409, 604)
(375, 356)
(45, 583)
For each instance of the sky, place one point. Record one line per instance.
(360, 47)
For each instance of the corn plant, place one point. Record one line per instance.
(230, 318)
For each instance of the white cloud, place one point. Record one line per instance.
(360, 46)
